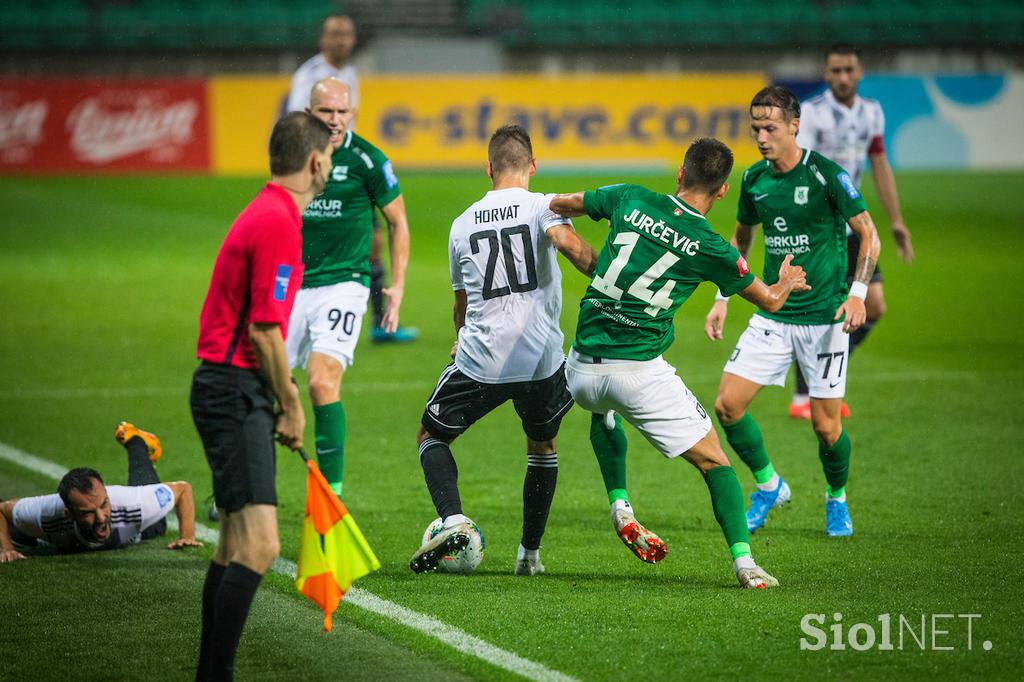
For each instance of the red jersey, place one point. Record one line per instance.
(255, 278)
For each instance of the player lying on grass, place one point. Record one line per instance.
(659, 249)
(508, 300)
(86, 515)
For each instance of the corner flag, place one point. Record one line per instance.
(332, 550)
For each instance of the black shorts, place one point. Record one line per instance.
(459, 401)
(233, 409)
(852, 249)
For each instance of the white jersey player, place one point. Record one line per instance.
(508, 302)
(850, 130)
(337, 40)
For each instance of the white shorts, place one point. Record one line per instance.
(768, 347)
(326, 320)
(648, 394)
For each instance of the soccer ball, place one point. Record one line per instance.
(466, 559)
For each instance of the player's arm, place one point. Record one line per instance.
(568, 205)
(459, 316)
(571, 245)
(7, 551)
(885, 183)
(771, 298)
(714, 323)
(398, 243)
(268, 345)
(867, 259)
(185, 510)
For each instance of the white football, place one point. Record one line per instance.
(466, 559)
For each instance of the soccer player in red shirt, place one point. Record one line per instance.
(244, 369)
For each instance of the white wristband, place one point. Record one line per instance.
(859, 290)
(719, 296)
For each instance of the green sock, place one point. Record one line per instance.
(727, 503)
(330, 442)
(610, 448)
(745, 438)
(835, 460)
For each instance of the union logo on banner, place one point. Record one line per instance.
(61, 125)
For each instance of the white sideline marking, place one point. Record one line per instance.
(432, 627)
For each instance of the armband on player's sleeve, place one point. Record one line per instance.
(877, 145)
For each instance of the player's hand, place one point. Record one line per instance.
(10, 555)
(394, 294)
(853, 308)
(289, 427)
(714, 323)
(903, 246)
(455, 349)
(184, 542)
(792, 276)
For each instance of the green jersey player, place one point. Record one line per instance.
(337, 230)
(659, 248)
(804, 202)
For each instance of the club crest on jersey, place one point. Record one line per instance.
(339, 173)
(678, 212)
(284, 274)
(800, 195)
(742, 266)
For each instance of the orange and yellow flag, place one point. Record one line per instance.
(332, 550)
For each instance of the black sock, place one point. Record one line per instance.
(857, 337)
(442, 475)
(801, 384)
(142, 472)
(538, 491)
(213, 577)
(231, 609)
(377, 292)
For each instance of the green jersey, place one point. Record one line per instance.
(337, 227)
(658, 250)
(804, 213)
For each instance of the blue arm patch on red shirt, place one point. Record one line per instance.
(284, 274)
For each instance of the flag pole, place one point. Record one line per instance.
(303, 455)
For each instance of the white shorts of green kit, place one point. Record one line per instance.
(326, 320)
(768, 347)
(648, 394)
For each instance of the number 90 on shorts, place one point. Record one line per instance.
(327, 320)
(767, 348)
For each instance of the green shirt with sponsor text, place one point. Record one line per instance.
(658, 250)
(337, 227)
(803, 212)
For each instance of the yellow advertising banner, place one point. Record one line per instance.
(444, 122)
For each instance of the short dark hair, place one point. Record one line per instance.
(777, 96)
(706, 165)
(843, 49)
(80, 479)
(509, 149)
(294, 137)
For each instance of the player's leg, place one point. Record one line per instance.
(727, 503)
(826, 349)
(608, 439)
(456, 403)
(541, 406)
(761, 358)
(143, 450)
(874, 306)
(800, 405)
(334, 318)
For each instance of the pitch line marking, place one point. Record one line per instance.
(450, 635)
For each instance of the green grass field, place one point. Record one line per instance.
(101, 281)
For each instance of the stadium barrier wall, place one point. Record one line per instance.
(221, 125)
(86, 126)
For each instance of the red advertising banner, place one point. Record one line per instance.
(63, 125)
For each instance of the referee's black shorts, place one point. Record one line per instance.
(233, 409)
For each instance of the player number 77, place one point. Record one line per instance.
(658, 300)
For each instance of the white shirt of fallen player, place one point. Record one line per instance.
(316, 69)
(500, 255)
(847, 135)
(133, 509)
